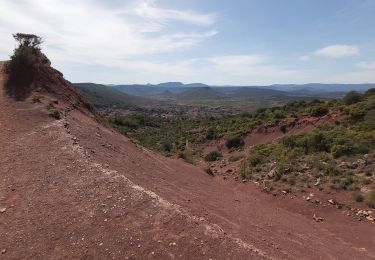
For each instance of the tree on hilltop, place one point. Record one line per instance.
(22, 67)
(28, 52)
(28, 40)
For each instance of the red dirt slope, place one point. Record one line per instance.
(304, 124)
(75, 189)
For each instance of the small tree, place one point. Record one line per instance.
(319, 111)
(352, 97)
(28, 52)
(234, 142)
(22, 65)
(167, 146)
(213, 156)
(28, 40)
(212, 134)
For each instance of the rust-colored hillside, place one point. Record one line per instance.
(72, 188)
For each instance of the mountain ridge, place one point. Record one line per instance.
(288, 89)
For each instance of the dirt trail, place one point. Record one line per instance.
(75, 189)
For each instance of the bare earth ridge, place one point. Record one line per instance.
(76, 189)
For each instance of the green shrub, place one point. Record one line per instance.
(213, 156)
(352, 97)
(50, 106)
(331, 170)
(346, 182)
(319, 111)
(212, 134)
(234, 142)
(26, 55)
(167, 146)
(245, 172)
(368, 122)
(36, 97)
(356, 113)
(370, 199)
(187, 155)
(370, 92)
(23, 65)
(339, 141)
(55, 114)
(258, 154)
(125, 122)
(358, 196)
(283, 128)
(339, 150)
(234, 158)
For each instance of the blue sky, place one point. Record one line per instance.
(220, 42)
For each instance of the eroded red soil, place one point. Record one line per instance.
(75, 189)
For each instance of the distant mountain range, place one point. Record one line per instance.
(181, 85)
(239, 91)
(319, 87)
(128, 96)
(196, 91)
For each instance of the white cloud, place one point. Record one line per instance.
(367, 65)
(248, 68)
(123, 40)
(147, 9)
(217, 70)
(337, 51)
(129, 38)
(238, 60)
(305, 58)
(90, 31)
(355, 77)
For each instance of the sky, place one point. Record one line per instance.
(217, 42)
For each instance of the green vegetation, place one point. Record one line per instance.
(352, 97)
(334, 156)
(358, 196)
(234, 142)
(22, 66)
(104, 96)
(234, 158)
(35, 97)
(334, 140)
(213, 156)
(370, 199)
(169, 134)
(52, 111)
(154, 131)
(27, 54)
(319, 111)
(55, 114)
(338, 155)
